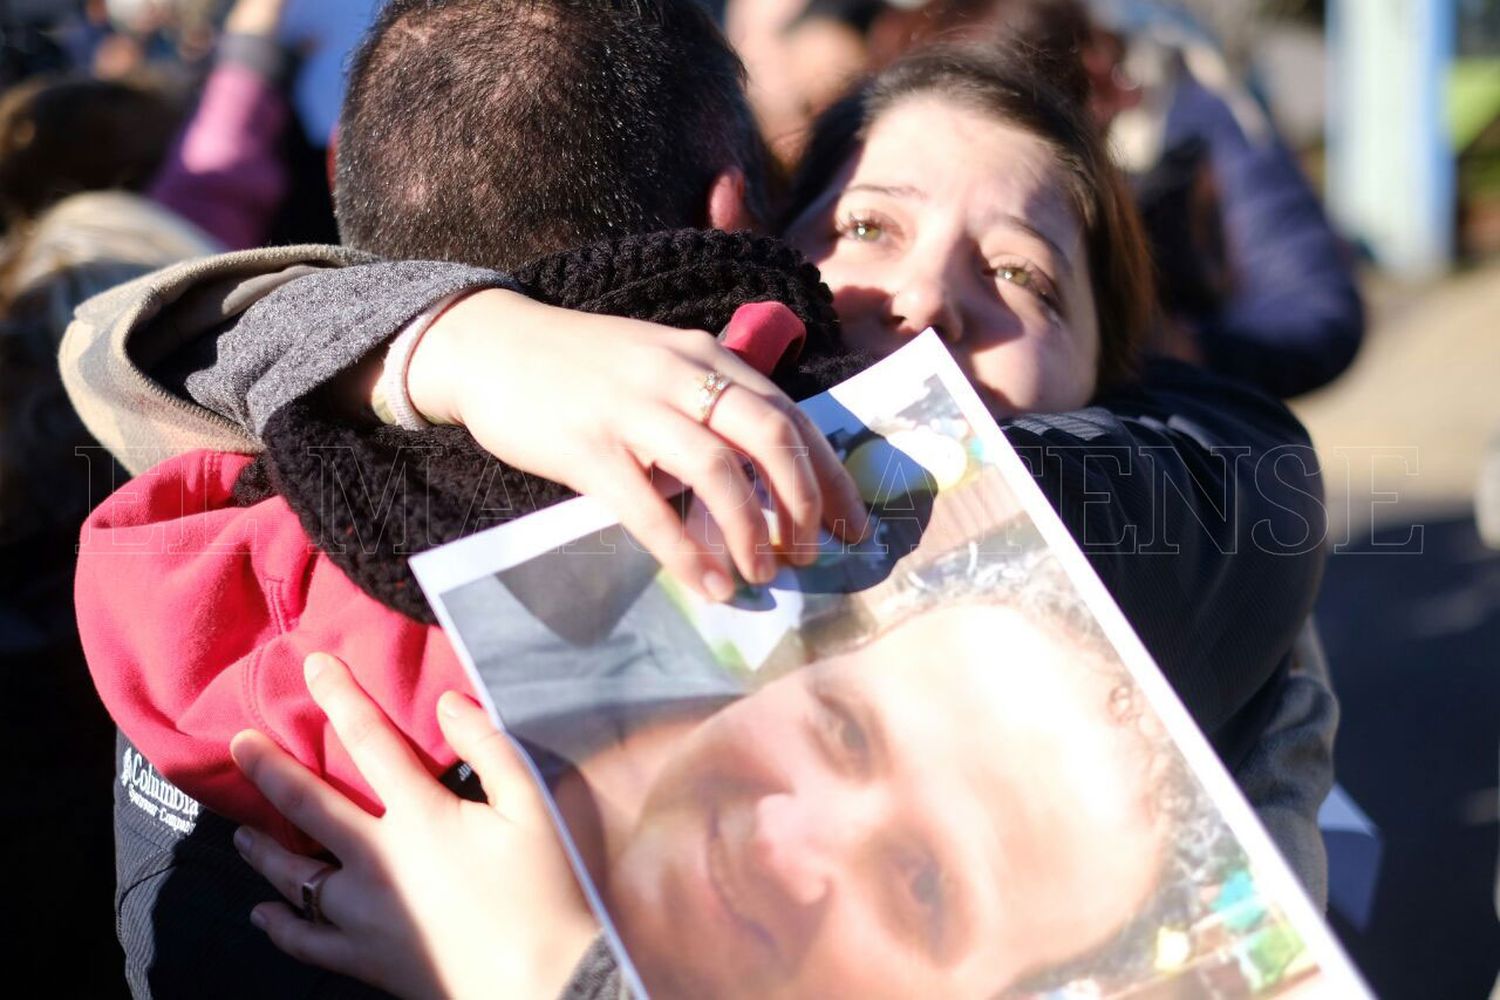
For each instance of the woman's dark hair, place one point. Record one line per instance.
(1014, 86)
(62, 136)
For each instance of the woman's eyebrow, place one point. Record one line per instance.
(1030, 229)
(912, 193)
(891, 190)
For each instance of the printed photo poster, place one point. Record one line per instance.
(937, 763)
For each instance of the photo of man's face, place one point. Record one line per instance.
(935, 763)
(936, 813)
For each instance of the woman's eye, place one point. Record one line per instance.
(861, 230)
(1030, 279)
(1018, 276)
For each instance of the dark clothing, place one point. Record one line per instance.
(55, 807)
(1290, 319)
(1198, 501)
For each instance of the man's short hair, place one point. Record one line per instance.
(490, 132)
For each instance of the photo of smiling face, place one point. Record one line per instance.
(947, 217)
(920, 816)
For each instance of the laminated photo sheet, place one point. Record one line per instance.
(938, 762)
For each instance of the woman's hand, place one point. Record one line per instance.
(599, 402)
(439, 896)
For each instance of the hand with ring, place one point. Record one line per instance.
(312, 894)
(628, 412)
(437, 897)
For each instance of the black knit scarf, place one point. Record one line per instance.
(372, 497)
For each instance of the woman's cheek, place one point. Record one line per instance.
(1035, 374)
(862, 308)
(1066, 378)
(1012, 372)
(1064, 366)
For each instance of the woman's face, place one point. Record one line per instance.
(950, 219)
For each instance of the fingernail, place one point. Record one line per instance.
(448, 704)
(765, 567)
(717, 586)
(773, 526)
(258, 918)
(312, 666)
(242, 841)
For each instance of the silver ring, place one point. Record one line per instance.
(710, 388)
(312, 895)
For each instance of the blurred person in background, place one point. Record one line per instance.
(27, 46)
(800, 56)
(73, 155)
(97, 187)
(282, 51)
(1254, 282)
(115, 38)
(230, 170)
(61, 136)
(258, 150)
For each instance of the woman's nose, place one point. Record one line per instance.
(926, 299)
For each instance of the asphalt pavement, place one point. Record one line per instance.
(1410, 616)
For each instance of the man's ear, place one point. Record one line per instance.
(726, 202)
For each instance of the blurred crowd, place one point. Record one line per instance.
(139, 133)
(132, 135)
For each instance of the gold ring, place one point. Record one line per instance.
(312, 895)
(710, 388)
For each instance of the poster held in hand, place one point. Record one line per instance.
(934, 763)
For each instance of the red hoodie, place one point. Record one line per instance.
(196, 615)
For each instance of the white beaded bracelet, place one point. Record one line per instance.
(390, 399)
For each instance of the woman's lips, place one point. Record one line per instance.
(729, 890)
